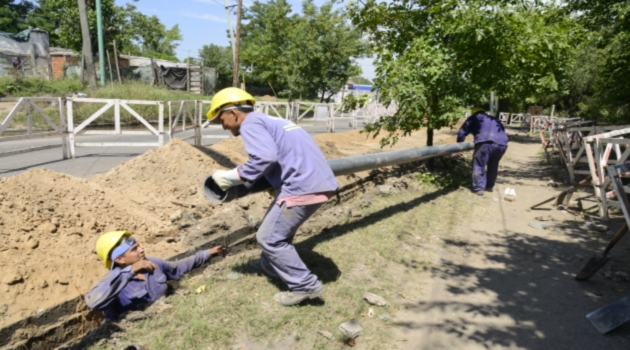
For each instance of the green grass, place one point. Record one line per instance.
(387, 251)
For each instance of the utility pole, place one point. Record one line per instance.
(101, 45)
(229, 19)
(237, 47)
(87, 45)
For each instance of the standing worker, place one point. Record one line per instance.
(490, 145)
(290, 160)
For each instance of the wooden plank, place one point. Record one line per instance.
(93, 116)
(11, 115)
(215, 136)
(155, 132)
(117, 144)
(27, 150)
(46, 118)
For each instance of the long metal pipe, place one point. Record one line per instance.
(342, 166)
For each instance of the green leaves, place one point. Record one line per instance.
(300, 55)
(435, 56)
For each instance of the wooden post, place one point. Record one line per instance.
(109, 63)
(117, 67)
(188, 74)
(237, 43)
(155, 80)
(33, 62)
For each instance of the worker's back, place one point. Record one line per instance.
(485, 128)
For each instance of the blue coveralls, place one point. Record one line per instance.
(288, 157)
(490, 145)
(120, 291)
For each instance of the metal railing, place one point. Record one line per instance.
(29, 105)
(73, 131)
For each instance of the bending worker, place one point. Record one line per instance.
(288, 157)
(133, 281)
(490, 145)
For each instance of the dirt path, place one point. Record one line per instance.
(504, 285)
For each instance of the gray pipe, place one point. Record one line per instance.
(342, 166)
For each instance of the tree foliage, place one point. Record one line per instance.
(133, 31)
(301, 55)
(434, 56)
(13, 15)
(600, 87)
(220, 58)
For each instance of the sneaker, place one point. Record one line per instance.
(294, 298)
(258, 266)
(479, 193)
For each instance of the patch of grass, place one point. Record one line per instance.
(451, 172)
(386, 251)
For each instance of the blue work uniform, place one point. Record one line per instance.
(120, 291)
(490, 146)
(290, 160)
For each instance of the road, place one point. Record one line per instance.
(90, 161)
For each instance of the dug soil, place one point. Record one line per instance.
(49, 222)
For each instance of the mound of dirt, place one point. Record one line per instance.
(49, 224)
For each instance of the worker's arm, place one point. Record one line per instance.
(175, 269)
(262, 150)
(465, 129)
(105, 291)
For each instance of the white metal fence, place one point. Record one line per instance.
(29, 105)
(116, 104)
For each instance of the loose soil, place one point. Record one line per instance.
(49, 222)
(459, 271)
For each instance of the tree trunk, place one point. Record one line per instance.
(87, 45)
(429, 137)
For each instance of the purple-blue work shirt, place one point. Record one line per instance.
(120, 291)
(286, 155)
(485, 128)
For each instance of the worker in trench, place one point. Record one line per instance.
(135, 281)
(490, 145)
(290, 160)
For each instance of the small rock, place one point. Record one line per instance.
(31, 244)
(62, 281)
(325, 334)
(176, 215)
(544, 218)
(351, 329)
(384, 316)
(370, 313)
(595, 227)
(538, 226)
(552, 184)
(201, 289)
(509, 198)
(13, 278)
(374, 299)
(385, 189)
(610, 233)
(47, 227)
(234, 276)
(3, 309)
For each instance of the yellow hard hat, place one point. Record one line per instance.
(476, 110)
(106, 243)
(227, 97)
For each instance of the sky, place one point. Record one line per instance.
(204, 22)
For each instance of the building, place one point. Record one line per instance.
(26, 53)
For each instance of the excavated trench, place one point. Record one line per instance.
(50, 222)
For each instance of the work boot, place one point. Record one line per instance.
(262, 268)
(294, 298)
(479, 193)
